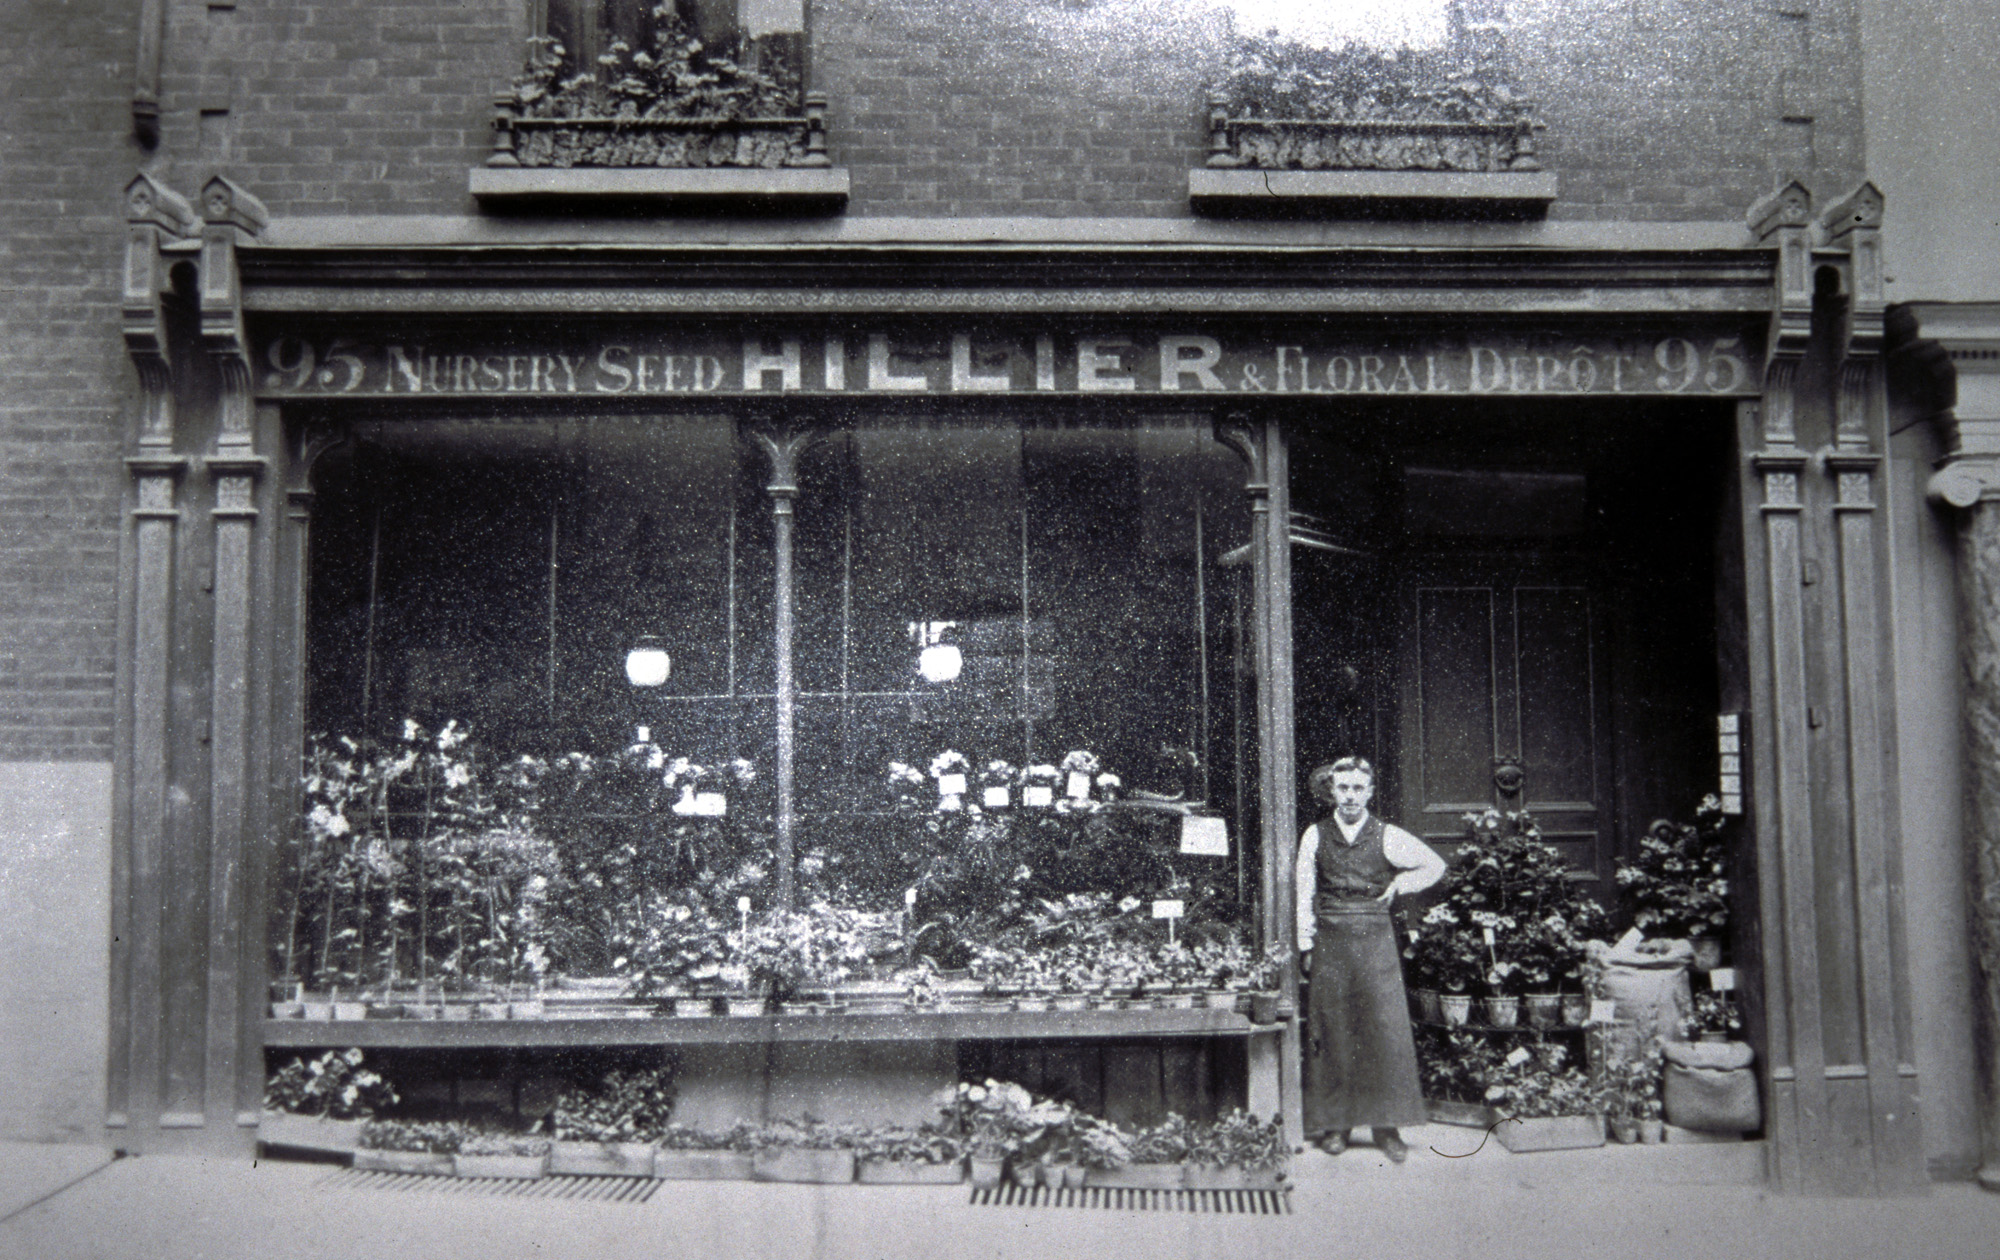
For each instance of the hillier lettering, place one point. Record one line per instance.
(974, 363)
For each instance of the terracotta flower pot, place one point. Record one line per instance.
(1544, 1010)
(1575, 1009)
(985, 1170)
(1503, 1012)
(1430, 1006)
(1456, 1008)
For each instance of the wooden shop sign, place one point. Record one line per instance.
(671, 363)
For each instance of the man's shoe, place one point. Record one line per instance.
(1392, 1145)
(1333, 1143)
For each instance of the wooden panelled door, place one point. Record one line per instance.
(1503, 703)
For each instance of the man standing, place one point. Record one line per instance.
(1360, 1055)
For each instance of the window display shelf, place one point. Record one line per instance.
(712, 1030)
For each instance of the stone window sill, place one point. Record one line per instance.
(1372, 193)
(790, 189)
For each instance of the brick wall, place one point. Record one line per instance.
(1656, 109)
(66, 389)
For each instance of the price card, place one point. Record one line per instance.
(1518, 1056)
(909, 898)
(1079, 785)
(1038, 795)
(743, 905)
(1630, 940)
(951, 785)
(1602, 1011)
(994, 798)
(710, 804)
(1204, 836)
(1487, 932)
(1169, 909)
(1722, 979)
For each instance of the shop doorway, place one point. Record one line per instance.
(1515, 609)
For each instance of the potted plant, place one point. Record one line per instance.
(1677, 884)
(321, 1104)
(993, 1119)
(1713, 1018)
(1038, 786)
(1454, 1067)
(996, 784)
(509, 1156)
(1157, 1154)
(408, 1146)
(607, 1129)
(1237, 1151)
(1101, 1148)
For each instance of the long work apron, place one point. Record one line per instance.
(1360, 1055)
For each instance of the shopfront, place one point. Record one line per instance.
(965, 604)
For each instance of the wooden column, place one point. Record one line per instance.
(784, 447)
(134, 1068)
(236, 742)
(1262, 445)
(1780, 756)
(1843, 1096)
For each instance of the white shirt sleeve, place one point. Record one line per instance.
(1420, 863)
(1303, 882)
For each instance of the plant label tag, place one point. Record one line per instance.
(1603, 1011)
(1487, 932)
(1079, 785)
(1722, 979)
(1038, 795)
(743, 905)
(1415, 936)
(951, 785)
(1518, 1056)
(1629, 941)
(910, 898)
(1204, 836)
(1169, 909)
(994, 798)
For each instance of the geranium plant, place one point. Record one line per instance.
(337, 1085)
(1677, 885)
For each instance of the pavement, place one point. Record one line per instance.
(58, 1202)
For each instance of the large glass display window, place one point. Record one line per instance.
(697, 706)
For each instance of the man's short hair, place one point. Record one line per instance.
(1321, 779)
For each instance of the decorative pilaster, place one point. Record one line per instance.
(1967, 484)
(1781, 757)
(784, 447)
(230, 215)
(1268, 484)
(1852, 228)
(155, 215)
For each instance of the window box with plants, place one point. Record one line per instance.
(502, 1156)
(609, 1127)
(668, 121)
(803, 1151)
(1362, 130)
(899, 1156)
(424, 1148)
(685, 1154)
(1545, 1103)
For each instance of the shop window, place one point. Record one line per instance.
(571, 627)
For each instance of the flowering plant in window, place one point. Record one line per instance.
(676, 76)
(1677, 885)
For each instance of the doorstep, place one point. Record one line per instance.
(1433, 1146)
